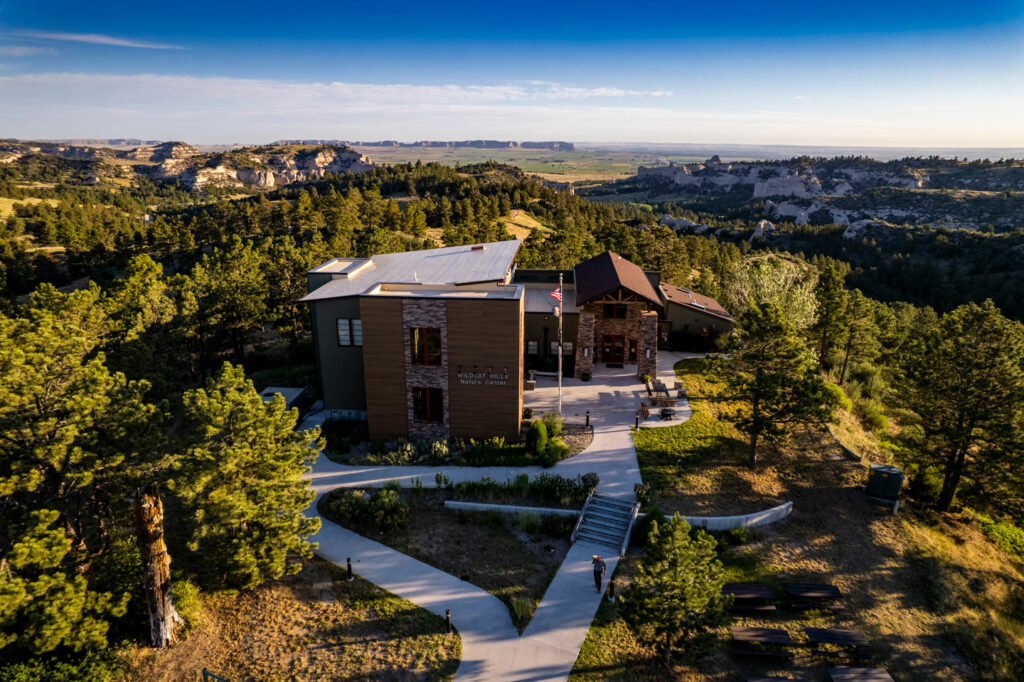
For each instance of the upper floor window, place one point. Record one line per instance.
(615, 310)
(350, 331)
(425, 344)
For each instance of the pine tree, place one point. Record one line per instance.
(241, 476)
(831, 304)
(860, 337)
(964, 379)
(675, 599)
(770, 372)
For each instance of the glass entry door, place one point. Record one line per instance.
(613, 348)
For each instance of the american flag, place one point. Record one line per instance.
(557, 294)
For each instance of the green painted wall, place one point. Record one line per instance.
(340, 368)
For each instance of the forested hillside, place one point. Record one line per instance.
(139, 317)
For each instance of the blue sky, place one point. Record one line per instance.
(866, 73)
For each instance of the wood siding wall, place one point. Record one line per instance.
(487, 335)
(384, 367)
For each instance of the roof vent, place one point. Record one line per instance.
(477, 247)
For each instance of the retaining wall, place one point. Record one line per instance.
(509, 508)
(760, 518)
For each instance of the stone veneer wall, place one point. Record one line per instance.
(418, 312)
(639, 326)
(648, 341)
(584, 340)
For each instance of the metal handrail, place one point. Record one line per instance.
(579, 521)
(629, 529)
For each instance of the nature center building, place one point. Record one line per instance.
(436, 343)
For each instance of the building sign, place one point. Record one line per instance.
(488, 378)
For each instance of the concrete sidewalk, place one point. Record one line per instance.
(491, 647)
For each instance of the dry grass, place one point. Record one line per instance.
(7, 204)
(936, 599)
(313, 625)
(519, 224)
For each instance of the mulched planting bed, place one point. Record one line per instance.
(507, 555)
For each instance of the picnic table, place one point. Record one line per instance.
(768, 641)
(749, 596)
(844, 638)
(747, 591)
(776, 636)
(843, 674)
(813, 596)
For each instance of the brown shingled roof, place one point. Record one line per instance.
(691, 299)
(607, 272)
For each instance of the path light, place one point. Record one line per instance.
(588, 418)
(448, 621)
(348, 563)
(636, 425)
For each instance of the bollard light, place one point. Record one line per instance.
(448, 621)
(588, 418)
(348, 563)
(636, 424)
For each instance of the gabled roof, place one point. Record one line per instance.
(452, 265)
(607, 272)
(691, 299)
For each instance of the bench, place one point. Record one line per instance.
(663, 401)
(784, 657)
(740, 606)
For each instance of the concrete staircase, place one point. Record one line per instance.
(606, 521)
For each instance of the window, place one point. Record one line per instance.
(554, 348)
(531, 347)
(350, 331)
(428, 405)
(567, 348)
(615, 311)
(425, 343)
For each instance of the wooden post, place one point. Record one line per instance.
(164, 620)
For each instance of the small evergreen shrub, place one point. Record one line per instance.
(557, 450)
(537, 437)
(527, 413)
(186, 601)
(642, 527)
(554, 423)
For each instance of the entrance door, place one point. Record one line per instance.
(613, 349)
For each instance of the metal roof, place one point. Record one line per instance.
(691, 299)
(451, 265)
(607, 272)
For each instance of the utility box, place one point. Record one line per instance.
(885, 482)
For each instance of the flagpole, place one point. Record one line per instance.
(561, 295)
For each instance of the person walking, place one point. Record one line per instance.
(600, 568)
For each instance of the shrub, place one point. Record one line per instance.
(382, 512)
(186, 601)
(555, 526)
(554, 423)
(528, 522)
(556, 450)
(527, 413)
(341, 435)
(546, 488)
(872, 413)
(95, 666)
(642, 527)
(1006, 536)
(585, 376)
(523, 607)
(537, 437)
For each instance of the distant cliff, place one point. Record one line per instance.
(458, 144)
(264, 167)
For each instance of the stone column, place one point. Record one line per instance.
(584, 344)
(648, 342)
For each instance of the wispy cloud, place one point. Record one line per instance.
(222, 109)
(24, 50)
(96, 39)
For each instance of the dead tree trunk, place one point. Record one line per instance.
(164, 620)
